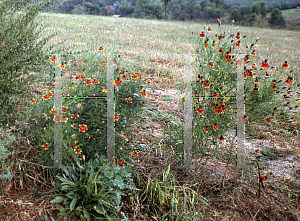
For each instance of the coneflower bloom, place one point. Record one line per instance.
(255, 88)
(265, 64)
(285, 65)
(289, 80)
(202, 35)
(200, 111)
(268, 120)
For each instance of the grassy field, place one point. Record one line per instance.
(158, 46)
(163, 39)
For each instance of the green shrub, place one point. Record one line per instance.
(94, 191)
(21, 49)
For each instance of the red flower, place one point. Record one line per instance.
(265, 64)
(221, 138)
(210, 64)
(134, 154)
(122, 162)
(257, 151)
(255, 88)
(206, 84)
(215, 94)
(267, 74)
(200, 111)
(202, 35)
(205, 45)
(205, 129)
(289, 80)
(221, 102)
(221, 50)
(256, 80)
(46, 146)
(100, 49)
(245, 59)
(274, 86)
(237, 37)
(285, 65)
(215, 127)
(268, 120)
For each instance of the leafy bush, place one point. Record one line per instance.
(94, 191)
(21, 49)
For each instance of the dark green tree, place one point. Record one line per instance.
(276, 18)
(235, 14)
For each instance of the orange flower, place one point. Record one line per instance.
(268, 120)
(256, 80)
(122, 162)
(205, 129)
(52, 59)
(46, 146)
(134, 154)
(74, 116)
(206, 84)
(221, 102)
(33, 101)
(237, 37)
(46, 116)
(128, 100)
(264, 178)
(285, 65)
(210, 64)
(220, 50)
(205, 45)
(83, 128)
(202, 35)
(274, 86)
(63, 66)
(200, 111)
(215, 127)
(257, 151)
(74, 126)
(138, 162)
(100, 49)
(104, 89)
(79, 105)
(215, 94)
(221, 138)
(289, 80)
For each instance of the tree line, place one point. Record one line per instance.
(177, 9)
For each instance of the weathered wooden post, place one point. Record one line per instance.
(240, 114)
(110, 112)
(58, 115)
(188, 115)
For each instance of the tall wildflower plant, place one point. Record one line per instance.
(216, 80)
(22, 51)
(84, 110)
